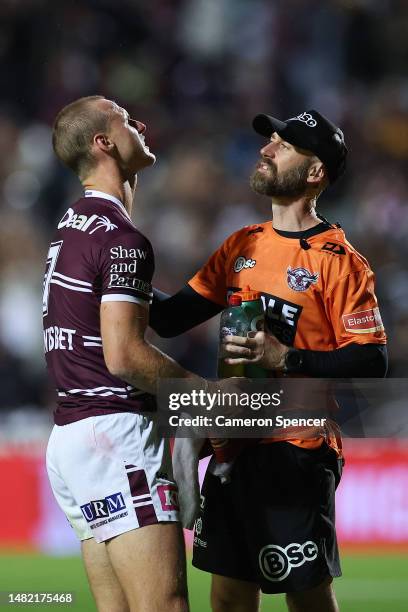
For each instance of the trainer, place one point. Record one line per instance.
(271, 528)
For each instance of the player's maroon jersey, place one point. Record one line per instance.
(97, 255)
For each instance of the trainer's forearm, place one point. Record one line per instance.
(143, 364)
(352, 361)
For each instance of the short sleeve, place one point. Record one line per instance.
(210, 281)
(126, 269)
(352, 308)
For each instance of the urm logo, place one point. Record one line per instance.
(101, 508)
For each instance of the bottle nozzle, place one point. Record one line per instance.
(234, 300)
(248, 295)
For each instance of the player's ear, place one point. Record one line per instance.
(103, 142)
(317, 173)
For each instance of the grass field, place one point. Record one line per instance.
(375, 583)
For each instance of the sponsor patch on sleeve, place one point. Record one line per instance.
(363, 321)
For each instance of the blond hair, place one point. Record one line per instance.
(73, 131)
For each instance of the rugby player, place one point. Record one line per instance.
(109, 470)
(271, 529)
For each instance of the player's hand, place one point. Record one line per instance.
(258, 347)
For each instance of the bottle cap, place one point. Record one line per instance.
(248, 295)
(234, 300)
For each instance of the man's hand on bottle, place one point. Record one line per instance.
(258, 347)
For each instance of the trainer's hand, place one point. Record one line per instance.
(257, 347)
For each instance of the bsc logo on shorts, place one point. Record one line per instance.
(276, 562)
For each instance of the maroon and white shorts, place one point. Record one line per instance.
(111, 474)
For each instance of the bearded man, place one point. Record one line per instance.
(271, 527)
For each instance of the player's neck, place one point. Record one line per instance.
(294, 216)
(113, 185)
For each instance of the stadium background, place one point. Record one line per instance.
(196, 72)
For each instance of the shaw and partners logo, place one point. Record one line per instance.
(106, 509)
(84, 223)
(276, 562)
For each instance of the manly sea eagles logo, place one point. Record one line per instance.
(300, 279)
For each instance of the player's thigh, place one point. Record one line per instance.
(105, 586)
(232, 595)
(319, 599)
(151, 566)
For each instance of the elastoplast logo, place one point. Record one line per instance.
(276, 562)
(363, 321)
(242, 263)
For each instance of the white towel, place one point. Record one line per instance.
(186, 452)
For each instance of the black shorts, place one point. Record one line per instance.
(273, 523)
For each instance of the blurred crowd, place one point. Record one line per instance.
(196, 72)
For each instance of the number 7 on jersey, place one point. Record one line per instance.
(51, 262)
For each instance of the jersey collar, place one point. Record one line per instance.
(312, 231)
(92, 193)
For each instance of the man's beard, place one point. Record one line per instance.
(291, 183)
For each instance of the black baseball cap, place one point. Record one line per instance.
(311, 131)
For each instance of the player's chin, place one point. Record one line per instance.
(149, 159)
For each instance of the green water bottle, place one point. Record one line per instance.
(244, 314)
(233, 322)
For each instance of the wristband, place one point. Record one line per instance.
(293, 361)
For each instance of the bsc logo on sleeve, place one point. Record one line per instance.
(276, 562)
(363, 321)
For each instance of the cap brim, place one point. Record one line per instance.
(267, 125)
